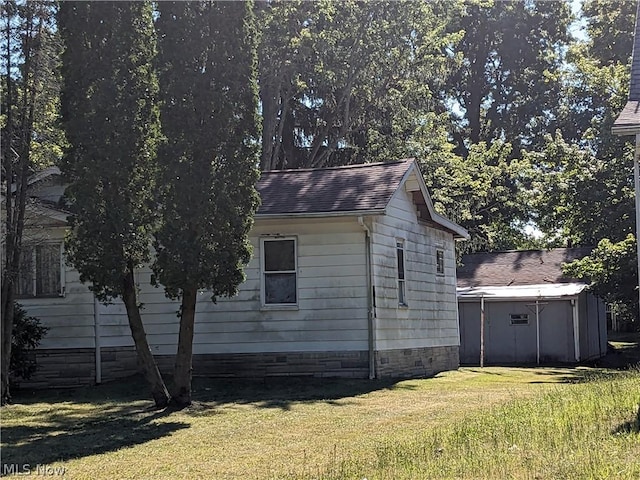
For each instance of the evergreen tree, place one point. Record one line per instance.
(208, 166)
(112, 122)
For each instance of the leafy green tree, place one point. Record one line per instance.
(349, 82)
(609, 25)
(612, 271)
(31, 136)
(579, 198)
(507, 87)
(112, 122)
(486, 193)
(208, 166)
(584, 178)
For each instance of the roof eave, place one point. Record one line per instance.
(49, 212)
(623, 130)
(502, 298)
(459, 233)
(350, 213)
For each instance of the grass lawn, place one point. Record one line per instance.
(472, 423)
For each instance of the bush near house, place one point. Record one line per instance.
(26, 336)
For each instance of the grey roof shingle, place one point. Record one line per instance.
(524, 267)
(354, 188)
(629, 118)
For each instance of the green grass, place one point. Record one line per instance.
(472, 423)
(587, 431)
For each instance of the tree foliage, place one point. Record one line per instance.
(507, 85)
(112, 123)
(348, 82)
(584, 176)
(26, 336)
(612, 273)
(31, 136)
(208, 165)
(484, 192)
(579, 197)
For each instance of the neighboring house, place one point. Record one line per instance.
(532, 313)
(353, 274)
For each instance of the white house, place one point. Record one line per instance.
(353, 274)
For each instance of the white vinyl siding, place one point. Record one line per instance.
(331, 314)
(70, 318)
(431, 319)
(331, 295)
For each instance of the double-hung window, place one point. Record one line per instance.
(279, 271)
(40, 273)
(402, 292)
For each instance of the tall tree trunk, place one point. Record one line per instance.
(7, 328)
(16, 203)
(145, 357)
(181, 390)
(7, 274)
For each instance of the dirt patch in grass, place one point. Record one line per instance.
(623, 351)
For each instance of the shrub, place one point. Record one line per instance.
(26, 336)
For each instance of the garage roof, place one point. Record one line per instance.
(545, 291)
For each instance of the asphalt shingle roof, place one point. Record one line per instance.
(525, 267)
(352, 188)
(630, 115)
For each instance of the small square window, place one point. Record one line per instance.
(519, 319)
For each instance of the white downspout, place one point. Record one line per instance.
(96, 326)
(576, 328)
(537, 331)
(371, 315)
(636, 182)
(482, 331)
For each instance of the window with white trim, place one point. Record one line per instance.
(402, 292)
(440, 262)
(279, 271)
(40, 273)
(519, 319)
